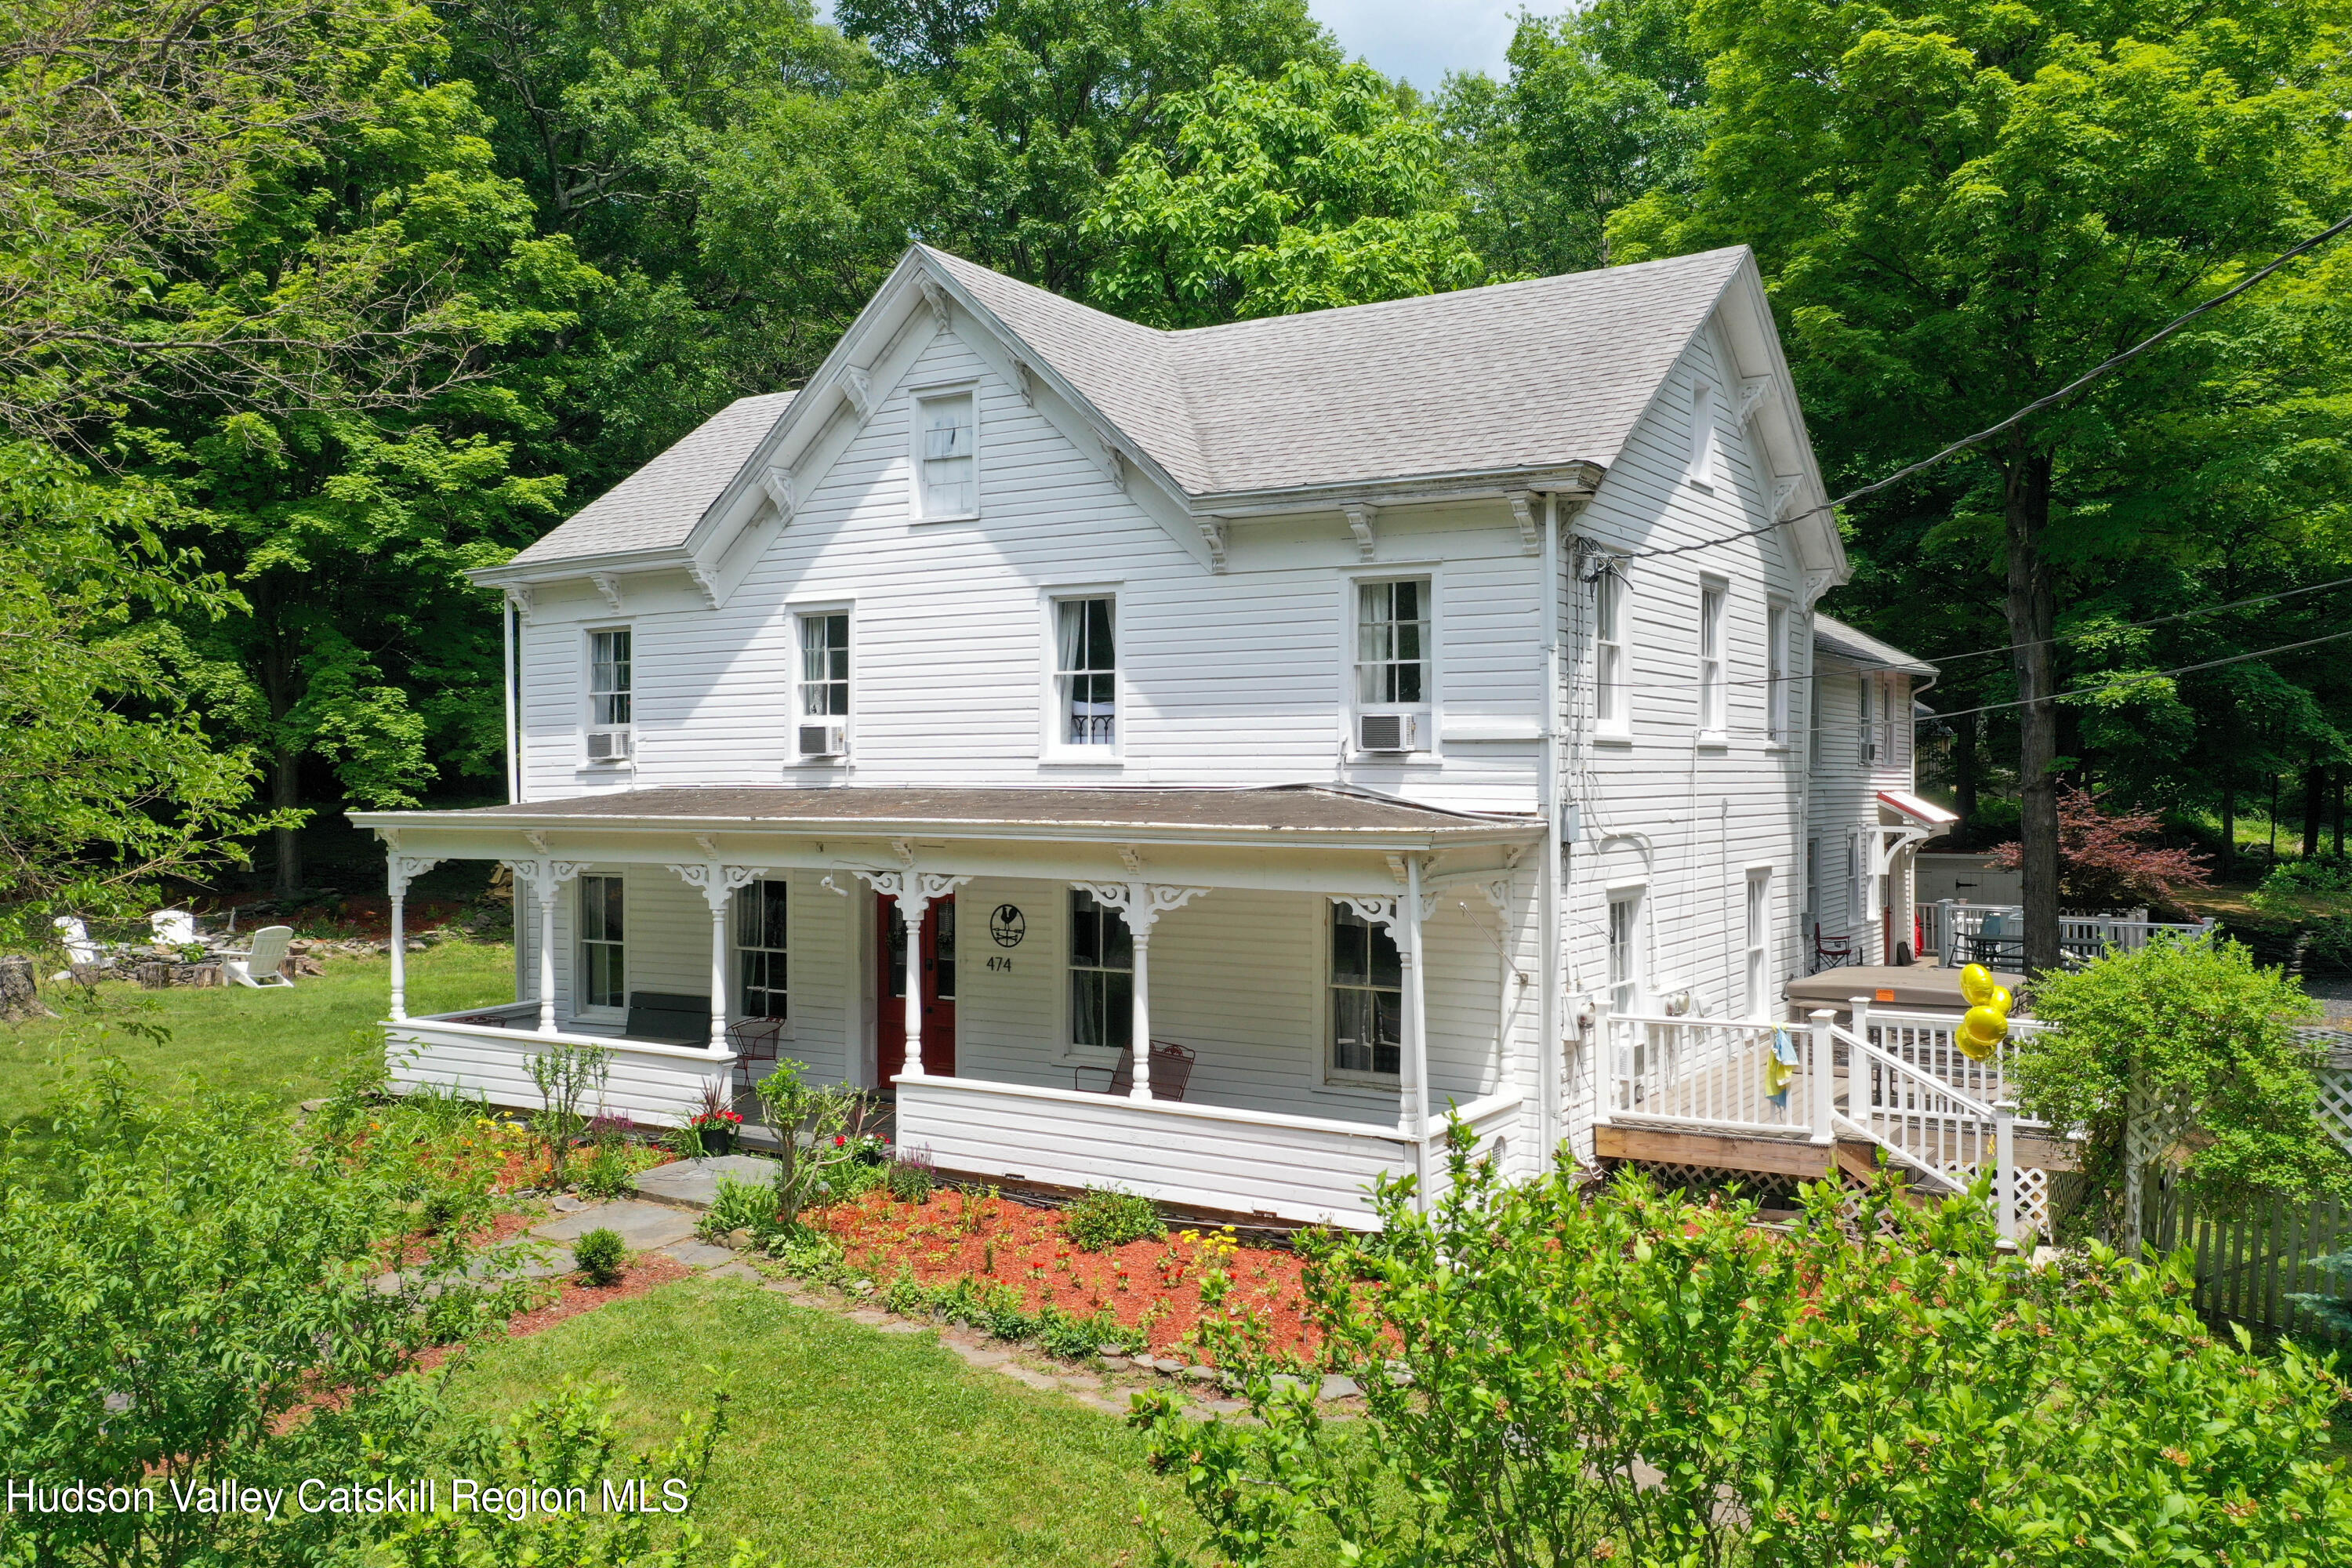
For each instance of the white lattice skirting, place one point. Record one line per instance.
(2335, 1104)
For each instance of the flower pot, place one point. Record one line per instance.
(718, 1141)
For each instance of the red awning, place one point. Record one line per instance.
(1925, 812)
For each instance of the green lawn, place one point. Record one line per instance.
(291, 1044)
(847, 1446)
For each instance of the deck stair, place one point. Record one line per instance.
(1699, 1093)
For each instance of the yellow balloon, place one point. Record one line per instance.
(1976, 983)
(1986, 1023)
(1973, 1047)
(2000, 1001)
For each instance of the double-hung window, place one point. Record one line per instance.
(603, 965)
(1624, 951)
(1857, 878)
(1865, 721)
(947, 462)
(760, 951)
(1086, 671)
(1392, 646)
(610, 712)
(1612, 713)
(1776, 674)
(1713, 598)
(1759, 927)
(1102, 975)
(1367, 998)
(825, 684)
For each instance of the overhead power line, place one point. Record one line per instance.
(2031, 409)
(2144, 678)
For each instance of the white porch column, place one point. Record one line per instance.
(1141, 905)
(1414, 1057)
(718, 884)
(914, 891)
(546, 878)
(399, 871)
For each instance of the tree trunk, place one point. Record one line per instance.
(286, 794)
(2229, 825)
(2314, 807)
(2340, 771)
(2274, 839)
(1964, 779)
(2032, 606)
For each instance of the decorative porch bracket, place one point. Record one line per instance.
(546, 878)
(718, 884)
(914, 893)
(399, 871)
(1401, 916)
(1141, 904)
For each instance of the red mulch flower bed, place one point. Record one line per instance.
(645, 1272)
(1154, 1285)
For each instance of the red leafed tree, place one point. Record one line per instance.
(2105, 861)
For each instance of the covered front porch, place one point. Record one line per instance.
(1244, 1002)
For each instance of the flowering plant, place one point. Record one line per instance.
(727, 1120)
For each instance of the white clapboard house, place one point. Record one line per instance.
(1198, 761)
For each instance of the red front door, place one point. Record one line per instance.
(935, 961)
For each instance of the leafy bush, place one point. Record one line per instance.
(2198, 1040)
(999, 1309)
(179, 1280)
(741, 1206)
(1629, 1377)
(805, 1250)
(2320, 874)
(607, 1173)
(599, 1255)
(910, 1179)
(1105, 1217)
(566, 1076)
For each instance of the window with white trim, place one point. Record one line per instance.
(1392, 665)
(1760, 941)
(761, 958)
(1102, 975)
(1611, 695)
(1703, 439)
(1865, 722)
(1813, 880)
(611, 712)
(824, 665)
(1776, 673)
(1367, 998)
(1625, 951)
(1714, 599)
(947, 462)
(1086, 671)
(604, 961)
(1857, 878)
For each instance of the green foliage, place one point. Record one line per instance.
(1553, 1377)
(563, 1442)
(1104, 1218)
(2197, 1041)
(822, 1134)
(606, 1173)
(1000, 1309)
(1298, 193)
(2332, 1312)
(2321, 874)
(566, 1077)
(181, 1277)
(909, 1181)
(740, 1206)
(599, 1255)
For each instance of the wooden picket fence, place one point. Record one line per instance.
(2248, 1265)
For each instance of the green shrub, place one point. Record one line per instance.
(998, 1310)
(1105, 1217)
(805, 1250)
(607, 1173)
(599, 1255)
(909, 1181)
(740, 1206)
(1625, 1376)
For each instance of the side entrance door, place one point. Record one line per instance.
(934, 955)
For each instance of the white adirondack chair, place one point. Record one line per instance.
(257, 965)
(80, 950)
(172, 928)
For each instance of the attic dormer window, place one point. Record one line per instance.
(946, 457)
(1703, 452)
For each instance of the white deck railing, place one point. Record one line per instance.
(1949, 927)
(1702, 1072)
(1924, 1040)
(651, 1084)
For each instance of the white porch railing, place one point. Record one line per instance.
(650, 1084)
(1702, 1072)
(1924, 1040)
(1296, 1169)
(1946, 1136)
(1968, 933)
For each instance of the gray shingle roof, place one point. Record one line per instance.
(1842, 641)
(657, 506)
(1543, 374)
(1551, 371)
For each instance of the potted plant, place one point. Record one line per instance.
(713, 1128)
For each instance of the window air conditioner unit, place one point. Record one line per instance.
(1386, 731)
(608, 745)
(825, 740)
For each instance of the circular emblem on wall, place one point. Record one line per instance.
(1006, 924)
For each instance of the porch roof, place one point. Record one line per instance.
(1297, 813)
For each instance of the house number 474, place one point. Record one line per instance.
(1001, 963)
